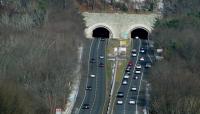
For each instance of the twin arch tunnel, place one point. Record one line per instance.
(103, 32)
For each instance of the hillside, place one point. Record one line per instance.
(176, 80)
(128, 6)
(39, 40)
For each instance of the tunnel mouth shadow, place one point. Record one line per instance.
(101, 32)
(141, 33)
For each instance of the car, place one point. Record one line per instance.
(102, 39)
(124, 82)
(142, 59)
(134, 54)
(142, 50)
(127, 69)
(126, 76)
(120, 94)
(101, 57)
(101, 65)
(92, 60)
(128, 72)
(135, 77)
(92, 76)
(132, 101)
(89, 88)
(148, 65)
(133, 50)
(119, 102)
(133, 89)
(130, 63)
(85, 106)
(137, 72)
(138, 66)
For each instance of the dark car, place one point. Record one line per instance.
(88, 88)
(130, 63)
(92, 60)
(120, 94)
(148, 65)
(101, 65)
(85, 106)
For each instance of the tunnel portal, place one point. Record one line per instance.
(139, 32)
(101, 32)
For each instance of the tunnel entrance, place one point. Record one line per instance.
(139, 32)
(101, 32)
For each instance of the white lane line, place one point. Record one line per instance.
(87, 76)
(97, 75)
(138, 53)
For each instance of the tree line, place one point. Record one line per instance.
(175, 81)
(39, 40)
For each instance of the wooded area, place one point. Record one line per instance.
(39, 40)
(135, 6)
(175, 81)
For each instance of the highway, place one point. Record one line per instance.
(94, 96)
(137, 96)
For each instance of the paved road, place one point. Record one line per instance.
(95, 97)
(138, 96)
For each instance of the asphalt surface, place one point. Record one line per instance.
(139, 95)
(95, 97)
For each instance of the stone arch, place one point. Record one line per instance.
(141, 29)
(91, 29)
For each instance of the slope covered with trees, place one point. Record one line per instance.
(39, 40)
(175, 81)
(135, 6)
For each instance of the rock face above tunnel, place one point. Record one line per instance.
(119, 25)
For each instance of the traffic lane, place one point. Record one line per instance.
(118, 108)
(124, 88)
(90, 94)
(132, 95)
(141, 100)
(100, 93)
(130, 108)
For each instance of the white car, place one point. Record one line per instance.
(124, 82)
(142, 51)
(136, 77)
(142, 59)
(92, 76)
(126, 76)
(138, 66)
(134, 54)
(131, 101)
(101, 57)
(120, 102)
(137, 72)
(133, 89)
